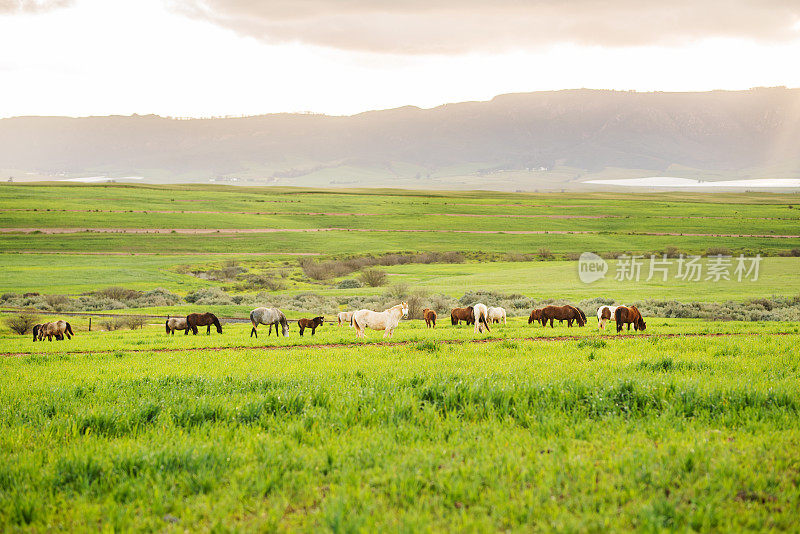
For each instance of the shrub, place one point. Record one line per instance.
(718, 251)
(349, 283)
(23, 323)
(114, 323)
(416, 303)
(261, 281)
(118, 293)
(58, 302)
(156, 297)
(136, 321)
(373, 277)
(210, 296)
(545, 254)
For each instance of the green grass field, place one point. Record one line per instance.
(596, 433)
(691, 425)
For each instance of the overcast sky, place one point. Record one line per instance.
(233, 57)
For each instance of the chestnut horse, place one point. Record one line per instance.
(193, 320)
(536, 315)
(628, 315)
(561, 313)
(430, 317)
(462, 314)
(309, 323)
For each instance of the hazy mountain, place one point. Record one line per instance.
(533, 140)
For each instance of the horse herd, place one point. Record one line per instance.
(478, 315)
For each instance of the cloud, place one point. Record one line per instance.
(458, 26)
(31, 6)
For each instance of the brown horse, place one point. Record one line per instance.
(583, 316)
(56, 329)
(561, 313)
(309, 323)
(193, 320)
(536, 315)
(628, 315)
(430, 317)
(462, 314)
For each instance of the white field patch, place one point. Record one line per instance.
(669, 181)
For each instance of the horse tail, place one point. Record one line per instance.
(353, 321)
(482, 319)
(166, 324)
(68, 330)
(36, 331)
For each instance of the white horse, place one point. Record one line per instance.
(481, 318)
(605, 314)
(269, 316)
(176, 323)
(385, 320)
(344, 318)
(496, 315)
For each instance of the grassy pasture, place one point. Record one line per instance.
(381, 212)
(691, 426)
(545, 279)
(237, 335)
(593, 434)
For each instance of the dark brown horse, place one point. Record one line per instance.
(430, 317)
(309, 323)
(193, 320)
(629, 315)
(462, 314)
(562, 313)
(536, 315)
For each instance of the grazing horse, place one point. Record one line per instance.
(628, 315)
(561, 313)
(176, 323)
(604, 314)
(462, 314)
(193, 320)
(56, 329)
(497, 315)
(583, 316)
(430, 317)
(481, 318)
(344, 318)
(536, 315)
(269, 316)
(386, 320)
(309, 323)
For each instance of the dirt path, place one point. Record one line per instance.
(354, 344)
(78, 253)
(227, 231)
(356, 214)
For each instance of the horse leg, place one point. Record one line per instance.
(313, 329)
(301, 330)
(254, 332)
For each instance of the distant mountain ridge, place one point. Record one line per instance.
(542, 138)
